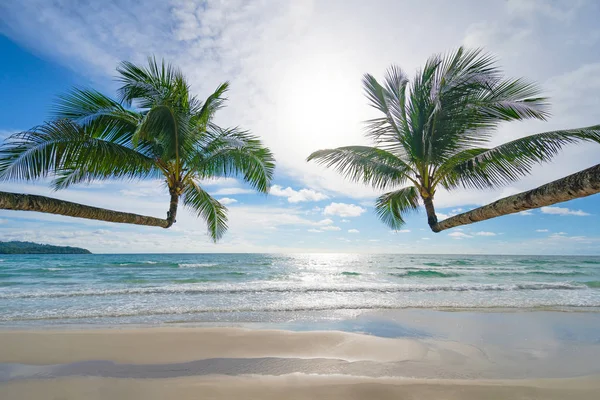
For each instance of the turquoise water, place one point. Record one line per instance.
(155, 288)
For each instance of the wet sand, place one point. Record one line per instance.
(297, 387)
(442, 355)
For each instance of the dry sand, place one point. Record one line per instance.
(191, 363)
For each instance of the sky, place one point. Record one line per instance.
(295, 69)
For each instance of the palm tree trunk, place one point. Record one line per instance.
(580, 184)
(172, 213)
(430, 209)
(30, 202)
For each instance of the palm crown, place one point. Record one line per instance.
(156, 129)
(433, 131)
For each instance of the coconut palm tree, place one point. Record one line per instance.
(580, 184)
(156, 129)
(433, 130)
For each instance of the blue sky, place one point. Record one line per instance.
(295, 69)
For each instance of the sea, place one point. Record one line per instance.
(116, 289)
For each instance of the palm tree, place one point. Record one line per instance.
(433, 131)
(580, 184)
(156, 129)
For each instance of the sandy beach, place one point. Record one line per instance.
(297, 387)
(155, 363)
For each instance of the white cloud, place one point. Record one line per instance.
(562, 237)
(227, 200)
(345, 220)
(459, 235)
(219, 181)
(344, 210)
(425, 238)
(297, 196)
(353, 231)
(314, 231)
(150, 188)
(400, 231)
(541, 230)
(231, 191)
(483, 233)
(558, 11)
(442, 216)
(525, 213)
(331, 228)
(326, 221)
(563, 211)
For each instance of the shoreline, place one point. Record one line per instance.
(35, 324)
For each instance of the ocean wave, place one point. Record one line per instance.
(350, 273)
(134, 280)
(425, 273)
(196, 290)
(197, 265)
(189, 280)
(279, 308)
(433, 264)
(592, 284)
(540, 273)
(142, 264)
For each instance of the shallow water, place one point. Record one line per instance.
(158, 288)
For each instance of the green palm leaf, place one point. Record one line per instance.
(155, 84)
(393, 206)
(231, 152)
(512, 160)
(369, 165)
(206, 207)
(206, 110)
(62, 146)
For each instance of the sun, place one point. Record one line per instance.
(319, 102)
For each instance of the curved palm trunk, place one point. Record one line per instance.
(430, 209)
(580, 184)
(30, 202)
(172, 213)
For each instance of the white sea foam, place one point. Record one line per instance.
(197, 265)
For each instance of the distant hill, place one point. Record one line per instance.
(36, 248)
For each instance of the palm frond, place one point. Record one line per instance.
(205, 111)
(369, 165)
(106, 118)
(392, 207)
(231, 152)
(213, 212)
(392, 130)
(467, 100)
(155, 84)
(513, 100)
(87, 105)
(512, 160)
(61, 147)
